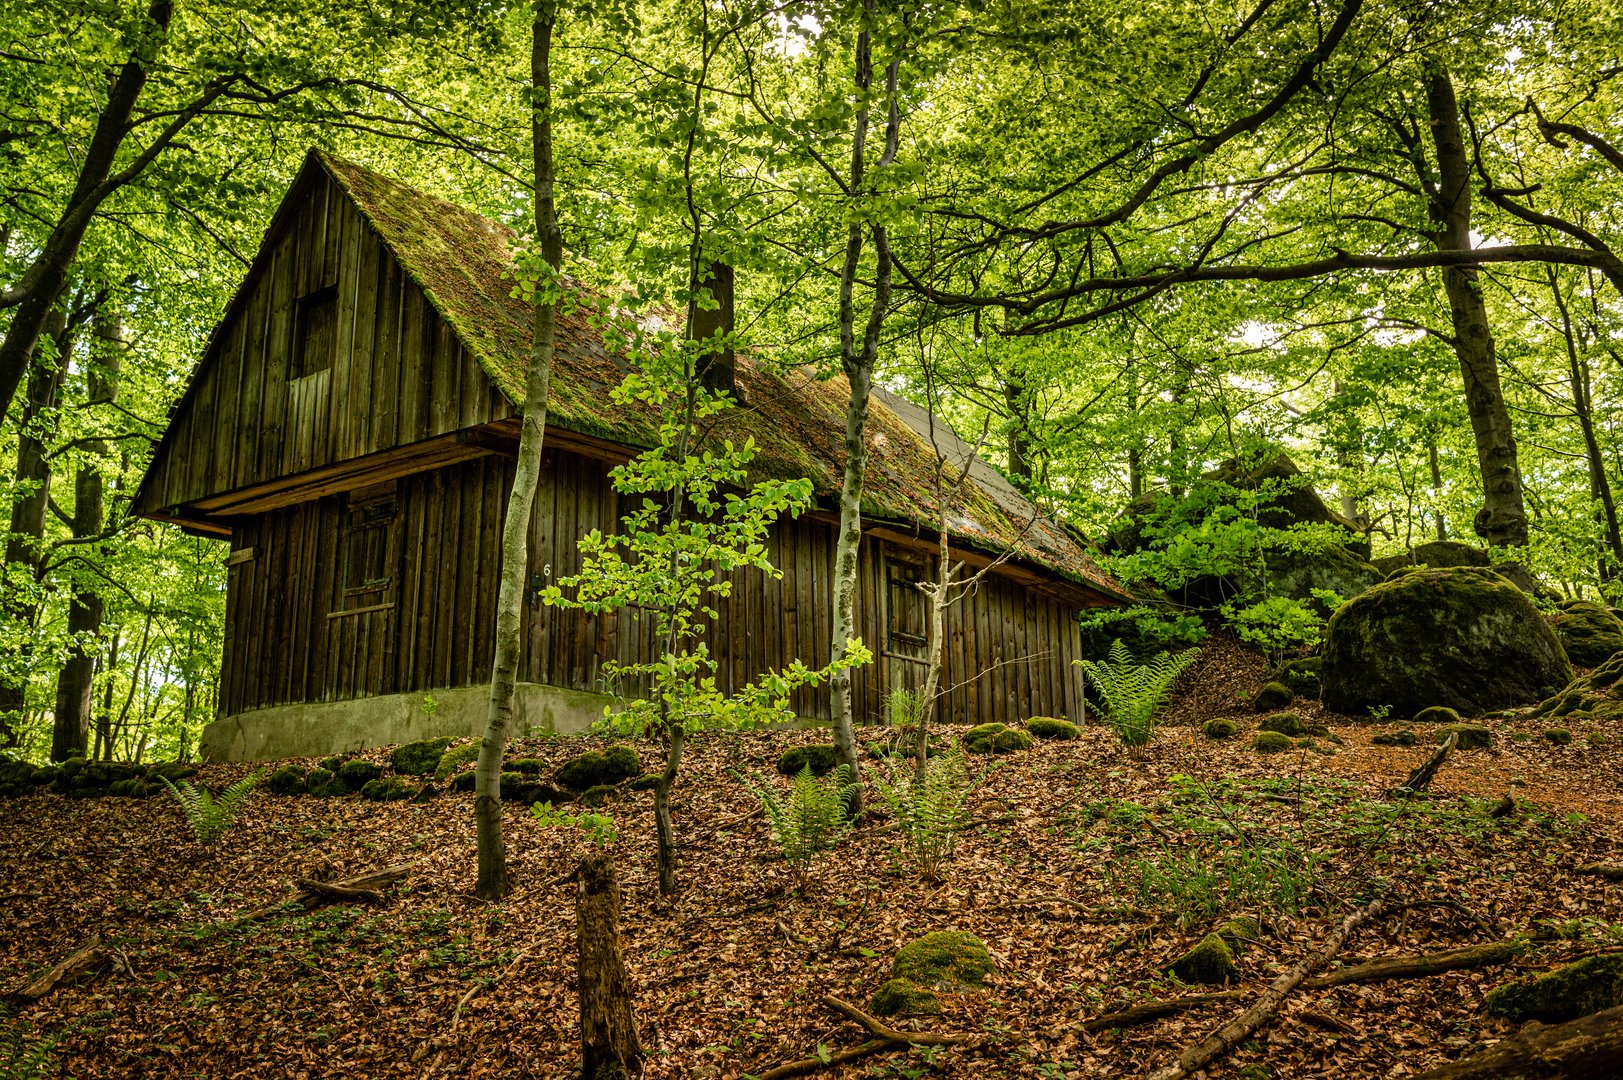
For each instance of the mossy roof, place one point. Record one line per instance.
(462, 262)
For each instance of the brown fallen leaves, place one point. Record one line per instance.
(730, 974)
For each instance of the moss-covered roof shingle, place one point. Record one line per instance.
(462, 261)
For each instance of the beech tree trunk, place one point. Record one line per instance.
(858, 362)
(609, 1046)
(25, 544)
(1590, 1047)
(493, 879)
(42, 284)
(1600, 486)
(1502, 521)
(75, 684)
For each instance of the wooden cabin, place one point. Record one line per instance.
(350, 431)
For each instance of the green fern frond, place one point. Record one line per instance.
(812, 818)
(211, 818)
(929, 811)
(1134, 694)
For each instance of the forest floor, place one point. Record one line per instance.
(1089, 869)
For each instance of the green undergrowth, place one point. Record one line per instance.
(1205, 849)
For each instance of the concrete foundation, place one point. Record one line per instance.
(335, 727)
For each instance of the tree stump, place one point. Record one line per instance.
(609, 1045)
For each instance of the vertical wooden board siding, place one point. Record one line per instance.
(250, 408)
(429, 569)
(461, 615)
(386, 358)
(492, 511)
(362, 358)
(450, 579)
(413, 494)
(228, 376)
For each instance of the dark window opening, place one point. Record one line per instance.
(909, 612)
(368, 554)
(315, 332)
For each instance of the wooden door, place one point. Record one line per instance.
(905, 644)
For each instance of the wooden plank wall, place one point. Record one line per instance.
(398, 374)
(1008, 652)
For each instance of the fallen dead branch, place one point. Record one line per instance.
(1421, 778)
(1609, 871)
(310, 894)
(885, 1038)
(1380, 969)
(1590, 1046)
(1240, 1028)
(89, 955)
(1315, 1018)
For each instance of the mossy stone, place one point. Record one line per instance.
(332, 764)
(904, 996)
(820, 757)
(418, 758)
(172, 771)
(1395, 738)
(390, 789)
(45, 774)
(1274, 695)
(1048, 727)
(1240, 931)
(996, 739)
(1437, 714)
(288, 780)
(645, 782)
(1286, 723)
(944, 959)
(453, 758)
(1589, 632)
(515, 786)
(1472, 736)
(1271, 742)
(1464, 638)
(1300, 676)
(356, 773)
(128, 788)
(595, 767)
(597, 796)
(1578, 989)
(529, 766)
(1560, 736)
(1210, 963)
(462, 781)
(1219, 728)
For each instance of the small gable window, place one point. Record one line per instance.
(315, 332)
(909, 608)
(368, 550)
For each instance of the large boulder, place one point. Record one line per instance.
(1297, 574)
(1462, 637)
(1588, 631)
(1438, 554)
(1596, 696)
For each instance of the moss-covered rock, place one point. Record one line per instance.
(387, 789)
(1296, 574)
(1395, 738)
(1437, 714)
(323, 784)
(945, 959)
(529, 766)
(332, 764)
(43, 775)
(128, 788)
(418, 758)
(16, 778)
(1271, 742)
(597, 796)
(288, 780)
(900, 997)
(1300, 676)
(1240, 931)
(645, 782)
(1272, 696)
(172, 771)
(1219, 728)
(515, 786)
(1464, 638)
(1048, 727)
(1286, 723)
(1210, 963)
(1578, 989)
(1560, 736)
(462, 781)
(356, 773)
(456, 758)
(1589, 632)
(1597, 696)
(609, 766)
(1438, 554)
(996, 739)
(1472, 736)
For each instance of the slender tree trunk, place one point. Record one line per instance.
(1019, 443)
(42, 284)
(1600, 486)
(609, 1047)
(1502, 521)
(938, 592)
(662, 811)
(25, 542)
(493, 881)
(1439, 520)
(858, 362)
(75, 683)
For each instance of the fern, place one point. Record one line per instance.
(1134, 694)
(210, 817)
(929, 811)
(812, 819)
(25, 1055)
